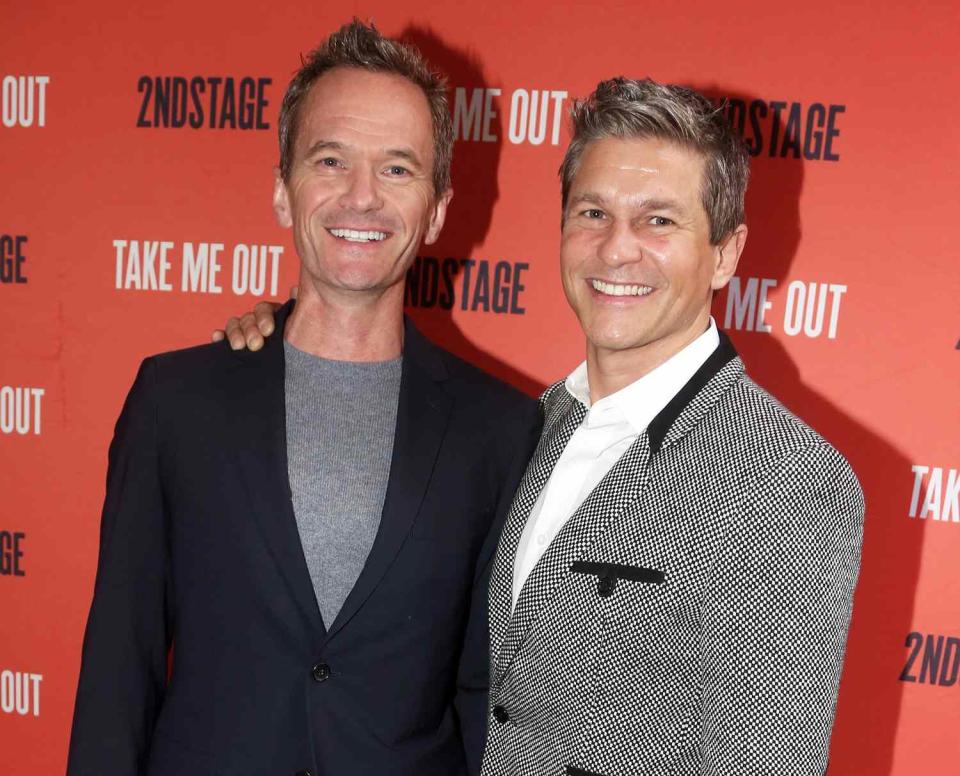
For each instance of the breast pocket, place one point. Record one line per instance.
(624, 595)
(609, 575)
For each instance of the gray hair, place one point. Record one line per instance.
(361, 46)
(626, 108)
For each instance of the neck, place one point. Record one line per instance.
(609, 371)
(347, 327)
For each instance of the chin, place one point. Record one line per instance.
(612, 340)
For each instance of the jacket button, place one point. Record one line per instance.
(321, 672)
(606, 586)
(302, 773)
(500, 714)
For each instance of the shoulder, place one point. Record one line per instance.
(783, 446)
(212, 355)
(760, 420)
(191, 377)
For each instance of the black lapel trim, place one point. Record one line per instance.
(660, 425)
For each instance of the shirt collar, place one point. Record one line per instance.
(640, 401)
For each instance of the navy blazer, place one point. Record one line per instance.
(199, 552)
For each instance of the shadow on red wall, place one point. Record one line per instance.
(476, 192)
(870, 697)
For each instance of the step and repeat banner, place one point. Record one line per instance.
(136, 151)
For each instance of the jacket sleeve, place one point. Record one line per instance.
(776, 620)
(124, 660)
(473, 676)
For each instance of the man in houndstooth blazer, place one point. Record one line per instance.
(688, 615)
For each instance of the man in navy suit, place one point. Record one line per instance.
(311, 528)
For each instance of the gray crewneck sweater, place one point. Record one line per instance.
(341, 420)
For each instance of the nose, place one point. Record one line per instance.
(362, 192)
(620, 245)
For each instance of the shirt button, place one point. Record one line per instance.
(541, 540)
(500, 714)
(321, 672)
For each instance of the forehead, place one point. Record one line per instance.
(358, 107)
(638, 168)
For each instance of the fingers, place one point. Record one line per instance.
(234, 334)
(249, 330)
(252, 337)
(263, 313)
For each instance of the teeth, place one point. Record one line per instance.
(614, 289)
(353, 235)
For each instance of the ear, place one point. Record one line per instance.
(437, 217)
(281, 200)
(728, 256)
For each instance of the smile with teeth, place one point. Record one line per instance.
(355, 235)
(617, 289)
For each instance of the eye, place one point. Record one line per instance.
(593, 213)
(397, 171)
(661, 221)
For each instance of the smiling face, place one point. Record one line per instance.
(635, 256)
(360, 196)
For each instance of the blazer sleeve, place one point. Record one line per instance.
(124, 659)
(473, 676)
(777, 617)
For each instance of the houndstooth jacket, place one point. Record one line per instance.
(691, 616)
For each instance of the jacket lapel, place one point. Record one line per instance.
(711, 381)
(614, 495)
(259, 426)
(423, 413)
(562, 420)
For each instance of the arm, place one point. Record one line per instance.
(124, 662)
(473, 676)
(776, 620)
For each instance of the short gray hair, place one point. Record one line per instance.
(628, 109)
(361, 46)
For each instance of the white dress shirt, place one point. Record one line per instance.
(609, 428)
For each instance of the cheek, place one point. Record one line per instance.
(575, 249)
(416, 204)
(660, 249)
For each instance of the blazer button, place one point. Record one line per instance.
(500, 714)
(321, 672)
(606, 586)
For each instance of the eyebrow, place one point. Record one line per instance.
(663, 204)
(594, 198)
(407, 154)
(588, 197)
(324, 145)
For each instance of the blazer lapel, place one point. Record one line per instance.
(259, 427)
(718, 374)
(566, 415)
(423, 413)
(614, 495)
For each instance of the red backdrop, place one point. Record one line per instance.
(114, 203)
